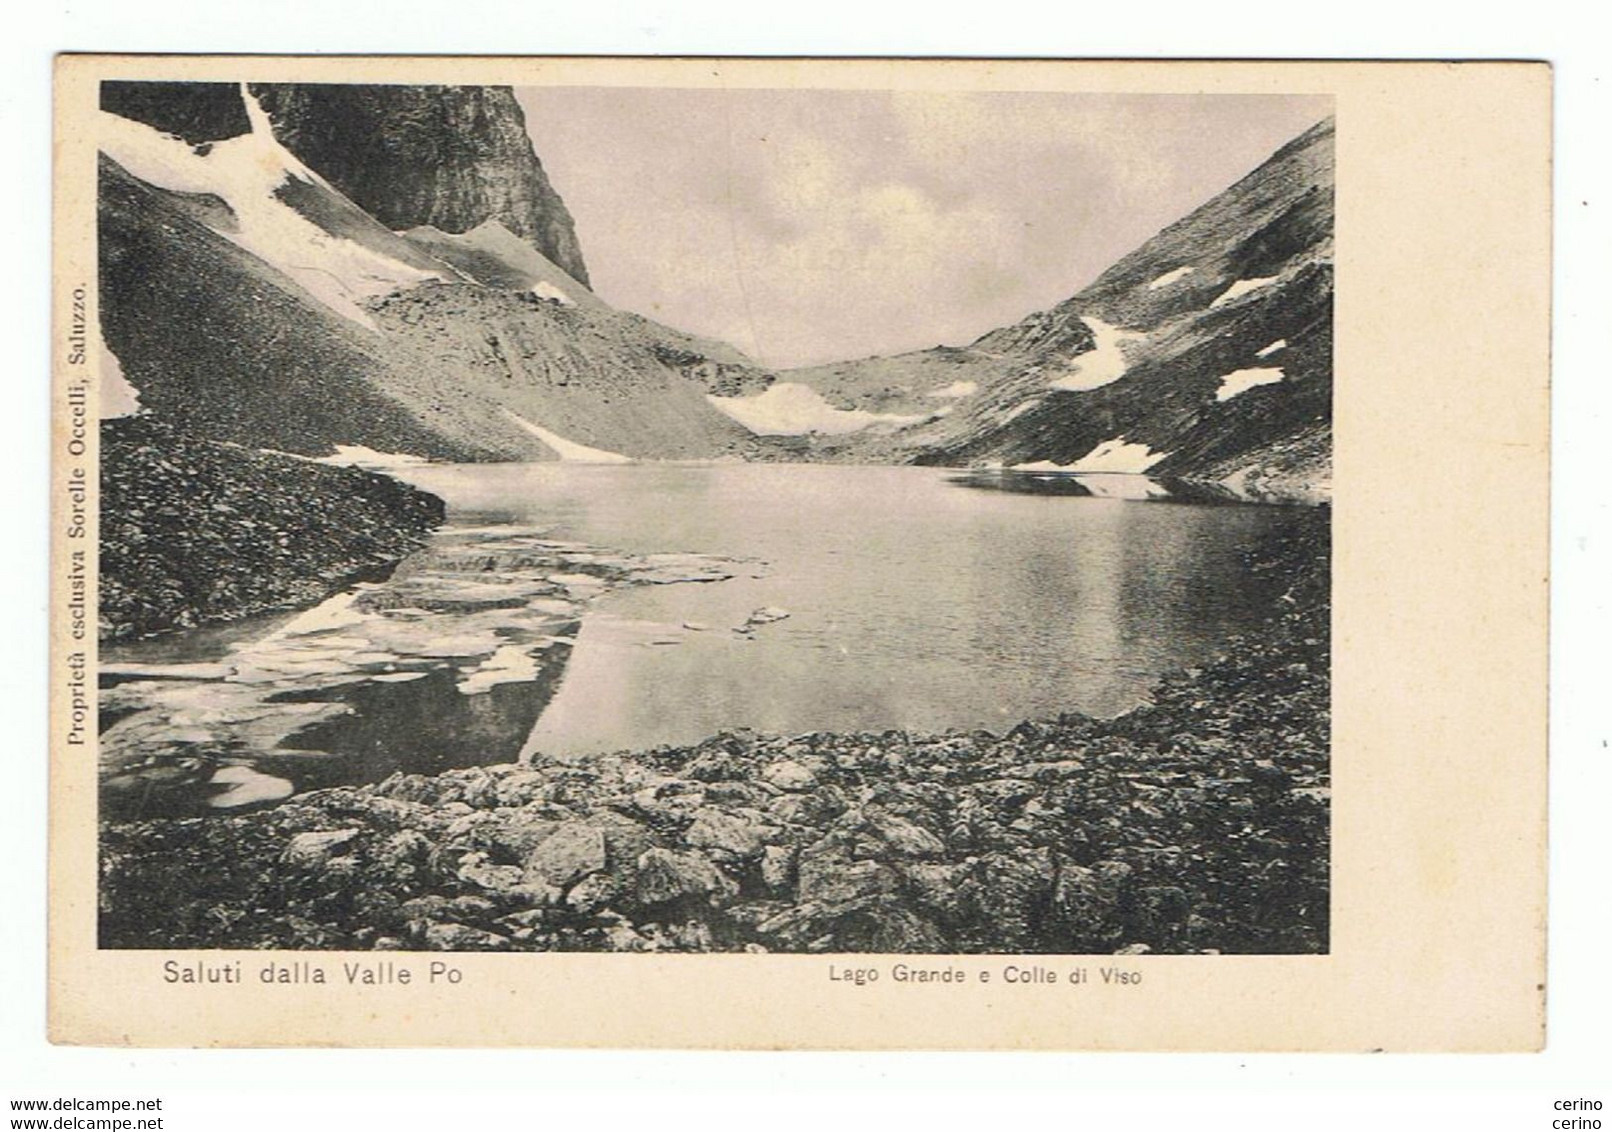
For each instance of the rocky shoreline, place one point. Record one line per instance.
(1198, 823)
(195, 531)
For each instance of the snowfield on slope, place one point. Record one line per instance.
(1103, 363)
(1169, 277)
(1118, 455)
(1111, 456)
(246, 173)
(788, 408)
(358, 456)
(1242, 380)
(546, 290)
(118, 397)
(569, 451)
(1240, 288)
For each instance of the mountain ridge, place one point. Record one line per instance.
(267, 279)
(246, 297)
(452, 157)
(1151, 357)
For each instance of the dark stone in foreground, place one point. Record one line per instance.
(1196, 823)
(194, 531)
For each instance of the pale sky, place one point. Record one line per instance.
(814, 226)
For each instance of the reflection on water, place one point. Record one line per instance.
(1097, 485)
(912, 604)
(446, 663)
(548, 617)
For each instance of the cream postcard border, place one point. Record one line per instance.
(1440, 515)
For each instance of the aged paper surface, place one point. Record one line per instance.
(1434, 788)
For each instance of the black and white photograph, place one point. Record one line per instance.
(711, 565)
(640, 519)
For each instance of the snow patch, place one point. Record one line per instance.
(118, 397)
(1118, 455)
(1240, 288)
(246, 786)
(509, 664)
(1170, 277)
(546, 290)
(956, 389)
(1242, 380)
(337, 612)
(569, 451)
(245, 173)
(1279, 344)
(788, 408)
(1103, 363)
(356, 455)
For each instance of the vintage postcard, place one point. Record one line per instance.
(800, 553)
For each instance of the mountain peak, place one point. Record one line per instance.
(448, 157)
(452, 157)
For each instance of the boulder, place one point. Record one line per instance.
(1086, 902)
(1269, 777)
(887, 926)
(716, 765)
(1012, 892)
(937, 889)
(529, 918)
(832, 879)
(461, 937)
(501, 879)
(778, 867)
(1161, 912)
(517, 832)
(314, 850)
(789, 775)
(875, 924)
(766, 615)
(593, 892)
(904, 838)
(738, 793)
(566, 855)
(814, 807)
(402, 857)
(622, 937)
(519, 788)
(665, 875)
(725, 832)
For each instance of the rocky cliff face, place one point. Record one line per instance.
(197, 112)
(449, 157)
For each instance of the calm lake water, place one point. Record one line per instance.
(913, 602)
(572, 609)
